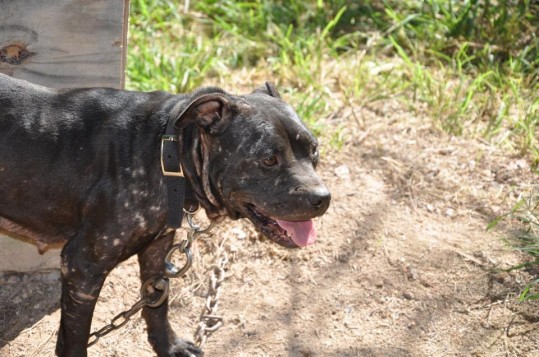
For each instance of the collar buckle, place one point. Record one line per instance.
(168, 157)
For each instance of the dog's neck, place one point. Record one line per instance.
(193, 151)
(195, 165)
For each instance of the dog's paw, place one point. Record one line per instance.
(182, 348)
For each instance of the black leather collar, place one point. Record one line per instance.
(177, 188)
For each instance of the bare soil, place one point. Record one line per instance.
(403, 264)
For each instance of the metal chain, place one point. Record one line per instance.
(209, 320)
(155, 290)
(172, 271)
(160, 287)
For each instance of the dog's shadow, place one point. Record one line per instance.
(25, 298)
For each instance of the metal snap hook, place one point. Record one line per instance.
(196, 227)
(171, 270)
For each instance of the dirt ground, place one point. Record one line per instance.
(403, 264)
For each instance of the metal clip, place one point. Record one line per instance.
(195, 228)
(172, 271)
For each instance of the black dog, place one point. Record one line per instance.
(82, 166)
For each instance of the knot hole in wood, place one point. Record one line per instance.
(14, 54)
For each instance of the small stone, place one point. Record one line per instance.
(503, 175)
(450, 212)
(379, 283)
(17, 300)
(412, 273)
(517, 165)
(430, 208)
(496, 210)
(342, 172)
(522, 164)
(486, 173)
(239, 233)
(408, 295)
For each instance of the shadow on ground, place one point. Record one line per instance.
(25, 298)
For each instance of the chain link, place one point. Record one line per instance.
(209, 320)
(155, 290)
(124, 316)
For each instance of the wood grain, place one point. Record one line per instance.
(64, 43)
(59, 44)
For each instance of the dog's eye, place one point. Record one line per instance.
(270, 161)
(314, 156)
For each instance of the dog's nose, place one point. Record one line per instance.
(320, 197)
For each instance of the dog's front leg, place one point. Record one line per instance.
(82, 278)
(160, 334)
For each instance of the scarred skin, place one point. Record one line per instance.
(82, 167)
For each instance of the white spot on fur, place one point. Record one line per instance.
(139, 193)
(139, 172)
(85, 296)
(116, 242)
(243, 180)
(139, 219)
(64, 269)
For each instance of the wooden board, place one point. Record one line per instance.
(59, 44)
(64, 43)
(20, 256)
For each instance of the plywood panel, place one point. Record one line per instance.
(64, 43)
(20, 256)
(59, 44)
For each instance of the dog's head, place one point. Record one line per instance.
(251, 156)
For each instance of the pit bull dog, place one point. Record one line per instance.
(83, 167)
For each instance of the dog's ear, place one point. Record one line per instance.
(205, 111)
(269, 89)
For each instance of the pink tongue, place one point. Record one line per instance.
(302, 233)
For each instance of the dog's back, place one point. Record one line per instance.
(12, 85)
(58, 146)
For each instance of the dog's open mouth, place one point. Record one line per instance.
(286, 233)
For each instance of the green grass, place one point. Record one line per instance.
(526, 213)
(471, 66)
